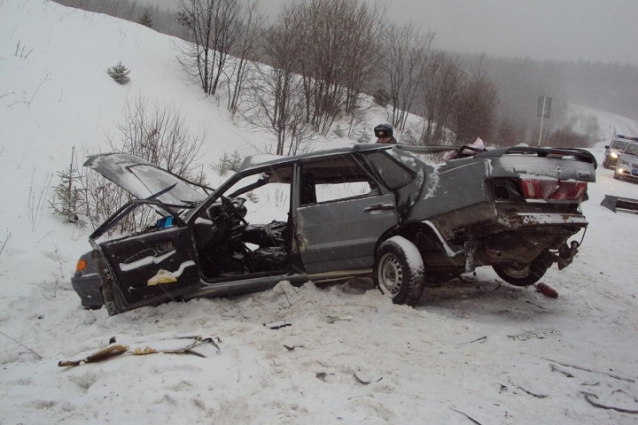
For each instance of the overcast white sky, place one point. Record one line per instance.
(597, 30)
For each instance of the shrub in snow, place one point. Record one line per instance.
(228, 162)
(363, 136)
(119, 73)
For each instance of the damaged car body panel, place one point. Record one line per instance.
(504, 206)
(340, 213)
(144, 180)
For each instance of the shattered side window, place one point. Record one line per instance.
(392, 173)
(334, 179)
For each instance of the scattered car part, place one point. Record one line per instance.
(546, 290)
(178, 345)
(616, 203)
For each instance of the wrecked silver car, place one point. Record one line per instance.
(366, 210)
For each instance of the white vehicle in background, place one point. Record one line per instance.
(617, 146)
(627, 164)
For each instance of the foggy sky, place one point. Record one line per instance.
(593, 30)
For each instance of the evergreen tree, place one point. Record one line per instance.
(119, 73)
(146, 19)
(67, 198)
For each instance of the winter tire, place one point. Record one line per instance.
(524, 274)
(399, 271)
(616, 175)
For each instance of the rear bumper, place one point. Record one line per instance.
(515, 221)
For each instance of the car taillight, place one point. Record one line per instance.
(81, 265)
(552, 189)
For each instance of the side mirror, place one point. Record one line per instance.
(606, 146)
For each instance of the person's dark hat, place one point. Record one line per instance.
(383, 130)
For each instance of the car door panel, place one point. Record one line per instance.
(341, 235)
(153, 267)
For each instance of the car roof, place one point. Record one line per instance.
(625, 138)
(264, 161)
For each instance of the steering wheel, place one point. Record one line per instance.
(234, 210)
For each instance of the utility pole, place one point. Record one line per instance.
(543, 110)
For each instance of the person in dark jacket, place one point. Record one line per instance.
(384, 134)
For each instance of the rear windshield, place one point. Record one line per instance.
(393, 174)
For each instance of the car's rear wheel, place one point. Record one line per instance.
(524, 274)
(399, 271)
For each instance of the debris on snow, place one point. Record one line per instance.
(538, 334)
(469, 417)
(332, 319)
(620, 378)
(564, 372)
(177, 345)
(277, 325)
(589, 397)
(529, 392)
(481, 340)
(546, 290)
(98, 356)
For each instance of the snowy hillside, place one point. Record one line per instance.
(477, 351)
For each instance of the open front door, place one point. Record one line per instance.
(146, 269)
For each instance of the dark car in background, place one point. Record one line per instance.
(331, 215)
(616, 148)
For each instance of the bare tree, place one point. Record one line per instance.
(102, 199)
(158, 134)
(277, 97)
(440, 86)
(475, 114)
(405, 57)
(211, 27)
(251, 25)
(339, 46)
(279, 108)
(510, 132)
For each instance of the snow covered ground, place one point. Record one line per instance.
(477, 351)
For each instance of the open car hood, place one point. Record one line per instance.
(144, 180)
